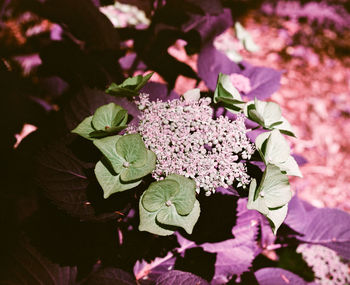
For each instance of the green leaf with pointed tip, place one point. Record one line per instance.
(132, 148)
(245, 38)
(110, 181)
(266, 114)
(256, 204)
(274, 188)
(158, 193)
(108, 147)
(129, 87)
(277, 148)
(226, 93)
(107, 116)
(184, 200)
(285, 127)
(84, 128)
(274, 149)
(277, 216)
(169, 216)
(132, 172)
(290, 167)
(148, 222)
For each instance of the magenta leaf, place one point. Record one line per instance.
(180, 277)
(327, 227)
(264, 81)
(235, 256)
(278, 276)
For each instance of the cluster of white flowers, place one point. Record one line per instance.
(188, 141)
(326, 264)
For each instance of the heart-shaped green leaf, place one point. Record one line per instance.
(274, 149)
(149, 224)
(132, 148)
(274, 188)
(169, 216)
(108, 147)
(107, 116)
(159, 193)
(133, 172)
(172, 203)
(110, 181)
(84, 128)
(277, 216)
(184, 200)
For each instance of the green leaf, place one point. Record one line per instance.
(274, 188)
(226, 93)
(110, 132)
(172, 203)
(184, 200)
(149, 224)
(245, 38)
(277, 148)
(169, 216)
(158, 193)
(110, 181)
(277, 216)
(108, 148)
(256, 204)
(107, 116)
(290, 167)
(274, 149)
(129, 87)
(84, 128)
(132, 148)
(285, 127)
(132, 172)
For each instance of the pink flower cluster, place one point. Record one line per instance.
(189, 142)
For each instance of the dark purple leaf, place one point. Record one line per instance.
(25, 265)
(211, 62)
(159, 91)
(111, 275)
(264, 81)
(180, 277)
(327, 227)
(277, 276)
(64, 180)
(85, 102)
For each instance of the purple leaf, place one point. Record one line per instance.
(209, 26)
(110, 275)
(234, 256)
(180, 277)
(146, 272)
(264, 81)
(211, 62)
(25, 265)
(277, 276)
(327, 227)
(159, 91)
